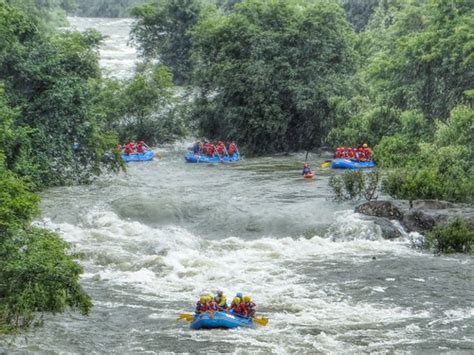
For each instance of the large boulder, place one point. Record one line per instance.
(387, 229)
(385, 209)
(419, 216)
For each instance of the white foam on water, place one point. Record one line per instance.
(172, 264)
(117, 57)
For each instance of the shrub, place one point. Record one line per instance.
(355, 185)
(455, 237)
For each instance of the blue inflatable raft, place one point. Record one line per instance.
(192, 158)
(220, 320)
(148, 155)
(351, 164)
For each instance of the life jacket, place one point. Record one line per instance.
(368, 153)
(200, 307)
(129, 149)
(232, 149)
(250, 309)
(238, 308)
(221, 302)
(140, 148)
(220, 149)
(212, 306)
(210, 150)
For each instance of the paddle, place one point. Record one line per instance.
(215, 149)
(157, 154)
(186, 316)
(326, 164)
(261, 321)
(190, 317)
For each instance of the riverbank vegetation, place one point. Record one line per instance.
(60, 121)
(454, 237)
(37, 272)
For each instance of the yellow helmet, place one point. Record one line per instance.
(365, 145)
(202, 299)
(247, 299)
(236, 300)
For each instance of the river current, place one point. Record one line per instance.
(153, 239)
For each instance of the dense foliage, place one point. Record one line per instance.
(358, 12)
(288, 75)
(46, 80)
(46, 14)
(36, 273)
(455, 237)
(441, 168)
(44, 107)
(162, 31)
(267, 70)
(355, 185)
(141, 108)
(416, 105)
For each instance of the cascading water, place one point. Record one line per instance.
(155, 238)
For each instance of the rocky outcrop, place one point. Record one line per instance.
(419, 216)
(387, 228)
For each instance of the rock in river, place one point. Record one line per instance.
(420, 217)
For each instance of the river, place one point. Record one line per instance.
(154, 238)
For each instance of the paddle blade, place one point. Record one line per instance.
(186, 316)
(326, 164)
(261, 321)
(157, 155)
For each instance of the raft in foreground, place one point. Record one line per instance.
(148, 155)
(351, 164)
(220, 320)
(195, 158)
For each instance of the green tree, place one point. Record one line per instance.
(36, 273)
(359, 12)
(47, 80)
(266, 72)
(162, 31)
(46, 14)
(454, 237)
(440, 169)
(426, 60)
(141, 108)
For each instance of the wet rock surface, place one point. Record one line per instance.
(420, 216)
